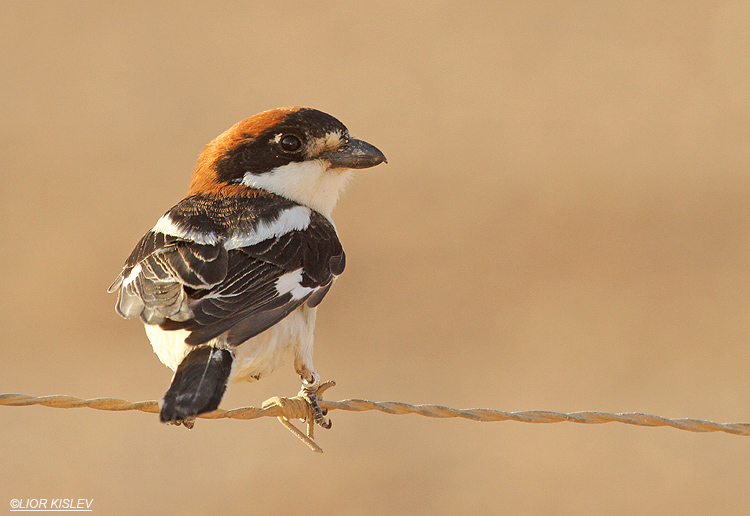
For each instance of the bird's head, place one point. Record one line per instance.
(299, 153)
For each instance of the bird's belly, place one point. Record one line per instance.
(253, 358)
(169, 346)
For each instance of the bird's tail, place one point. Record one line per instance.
(198, 384)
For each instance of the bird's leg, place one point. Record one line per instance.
(310, 393)
(311, 386)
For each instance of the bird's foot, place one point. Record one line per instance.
(312, 391)
(188, 422)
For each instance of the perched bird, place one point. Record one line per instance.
(229, 279)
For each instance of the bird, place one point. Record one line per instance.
(228, 280)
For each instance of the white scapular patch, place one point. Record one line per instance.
(167, 226)
(290, 283)
(292, 219)
(310, 183)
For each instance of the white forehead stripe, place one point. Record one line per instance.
(331, 141)
(291, 219)
(167, 226)
(290, 283)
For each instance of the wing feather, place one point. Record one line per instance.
(183, 283)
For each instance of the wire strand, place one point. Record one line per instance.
(297, 407)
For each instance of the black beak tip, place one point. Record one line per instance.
(356, 154)
(378, 157)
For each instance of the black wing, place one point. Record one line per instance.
(209, 290)
(159, 271)
(265, 282)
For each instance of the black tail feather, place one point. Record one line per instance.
(198, 384)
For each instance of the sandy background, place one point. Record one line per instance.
(563, 225)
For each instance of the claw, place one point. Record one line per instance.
(312, 390)
(188, 422)
(318, 414)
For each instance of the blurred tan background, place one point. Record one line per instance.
(563, 225)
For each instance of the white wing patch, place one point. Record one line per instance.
(292, 219)
(134, 272)
(167, 226)
(290, 283)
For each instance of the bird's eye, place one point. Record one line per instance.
(290, 143)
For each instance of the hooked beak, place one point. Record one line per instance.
(355, 154)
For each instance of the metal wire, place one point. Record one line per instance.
(297, 407)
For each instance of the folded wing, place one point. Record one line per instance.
(178, 282)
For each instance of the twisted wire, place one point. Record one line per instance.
(292, 408)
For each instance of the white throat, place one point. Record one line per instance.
(310, 183)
